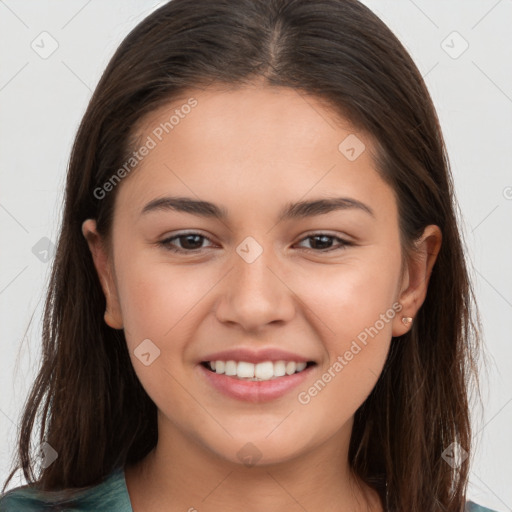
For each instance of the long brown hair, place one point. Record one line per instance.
(92, 408)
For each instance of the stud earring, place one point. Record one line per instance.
(406, 320)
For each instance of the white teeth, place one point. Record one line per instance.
(264, 371)
(245, 370)
(261, 371)
(279, 368)
(301, 366)
(290, 368)
(230, 368)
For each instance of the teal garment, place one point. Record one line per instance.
(110, 495)
(473, 507)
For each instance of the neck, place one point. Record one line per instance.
(184, 475)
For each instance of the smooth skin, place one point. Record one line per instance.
(252, 150)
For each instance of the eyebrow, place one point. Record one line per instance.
(290, 211)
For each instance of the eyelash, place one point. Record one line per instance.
(168, 246)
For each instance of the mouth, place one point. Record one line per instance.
(257, 372)
(259, 382)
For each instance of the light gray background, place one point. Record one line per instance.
(42, 101)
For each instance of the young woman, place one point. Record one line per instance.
(259, 299)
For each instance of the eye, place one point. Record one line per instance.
(190, 242)
(323, 241)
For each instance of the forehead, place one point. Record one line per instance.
(276, 117)
(249, 142)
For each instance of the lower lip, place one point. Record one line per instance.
(255, 391)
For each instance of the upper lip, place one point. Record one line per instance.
(255, 356)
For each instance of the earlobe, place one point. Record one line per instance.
(102, 265)
(416, 278)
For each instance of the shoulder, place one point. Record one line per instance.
(20, 499)
(111, 494)
(473, 507)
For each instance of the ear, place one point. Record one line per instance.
(416, 277)
(103, 267)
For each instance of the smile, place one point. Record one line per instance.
(255, 382)
(266, 370)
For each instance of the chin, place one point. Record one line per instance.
(257, 451)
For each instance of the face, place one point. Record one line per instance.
(254, 277)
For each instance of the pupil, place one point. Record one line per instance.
(188, 238)
(326, 241)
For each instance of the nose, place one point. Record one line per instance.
(255, 292)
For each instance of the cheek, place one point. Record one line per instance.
(352, 310)
(344, 299)
(356, 330)
(158, 300)
(157, 304)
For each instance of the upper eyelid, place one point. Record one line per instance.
(341, 239)
(307, 235)
(173, 237)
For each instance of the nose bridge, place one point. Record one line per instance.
(252, 266)
(255, 294)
